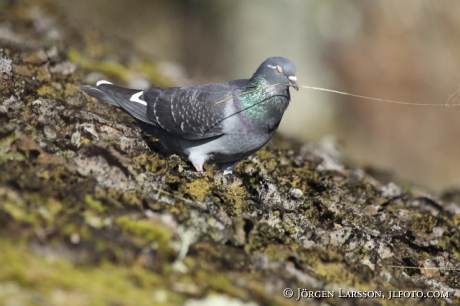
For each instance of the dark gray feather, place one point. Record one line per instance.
(98, 94)
(190, 112)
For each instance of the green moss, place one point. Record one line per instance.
(112, 69)
(131, 199)
(95, 204)
(234, 198)
(145, 230)
(150, 69)
(117, 70)
(6, 140)
(47, 90)
(172, 179)
(455, 219)
(50, 209)
(5, 148)
(425, 224)
(18, 211)
(66, 153)
(269, 165)
(12, 156)
(197, 189)
(335, 272)
(84, 140)
(70, 89)
(93, 219)
(56, 281)
(265, 153)
(288, 228)
(149, 163)
(277, 252)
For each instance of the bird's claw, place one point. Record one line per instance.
(198, 168)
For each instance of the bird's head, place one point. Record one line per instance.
(279, 70)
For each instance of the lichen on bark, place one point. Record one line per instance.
(92, 212)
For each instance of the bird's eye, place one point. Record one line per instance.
(279, 69)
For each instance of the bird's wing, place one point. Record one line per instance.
(191, 112)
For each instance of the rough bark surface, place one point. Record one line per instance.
(92, 212)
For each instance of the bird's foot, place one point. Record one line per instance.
(198, 168)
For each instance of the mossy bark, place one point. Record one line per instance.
(92, 212)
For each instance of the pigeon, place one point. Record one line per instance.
(219, 123)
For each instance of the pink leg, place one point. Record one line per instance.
(198, 168)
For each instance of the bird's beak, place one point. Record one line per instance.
(294, 83)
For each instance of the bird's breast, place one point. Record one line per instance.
(259, 110)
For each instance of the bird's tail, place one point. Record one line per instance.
(129, 100)
(98, 94)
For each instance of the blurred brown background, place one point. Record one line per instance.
(399, 50)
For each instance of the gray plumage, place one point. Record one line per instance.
(221, 123)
